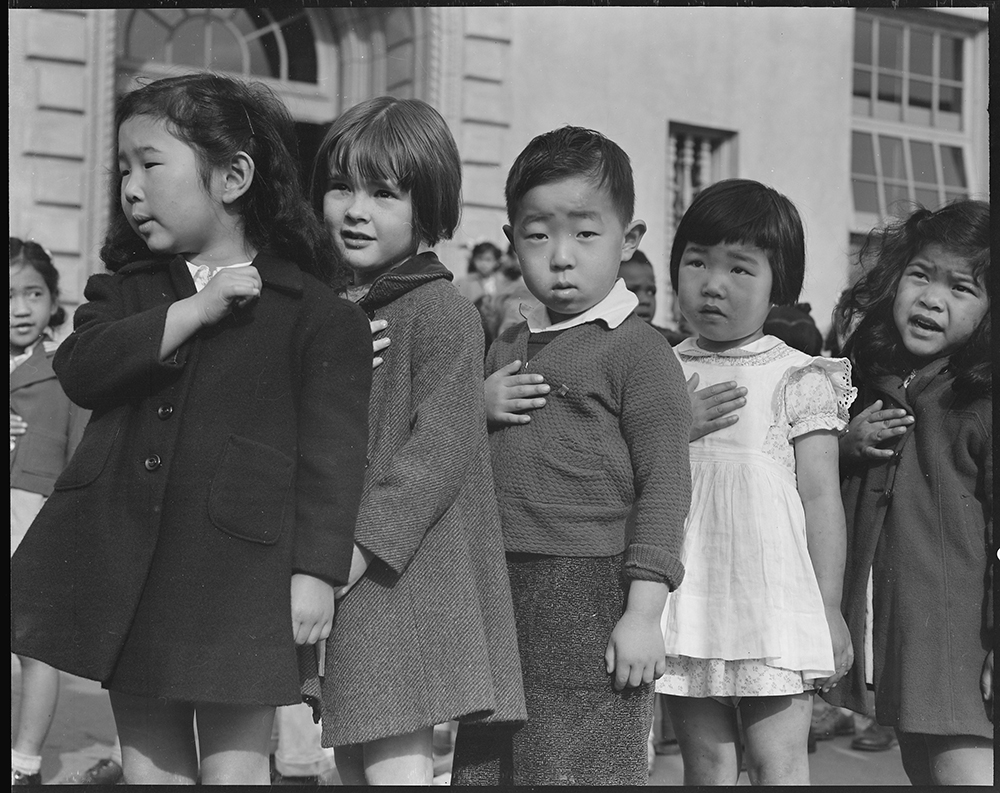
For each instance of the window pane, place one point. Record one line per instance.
(920, 94)
(949, 197)
(950, 99)
(890, 89)
(862, 155)
(893, 164)
(865, 196)
(927, 198)
(953, 165)
(147, 39)
(189, 44)
(922, 157)
(897, 200)
(890, 46)
(226, 55)
(951, 58)
(921, 52)
(862, 40)
(862, 83)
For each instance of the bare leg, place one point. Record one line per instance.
(234, 741)
(777, 732)
(39, 694)
(401, 759)
(351, 764)
(157, 738)
(946, 759)
(709, 739)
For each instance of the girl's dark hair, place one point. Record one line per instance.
(794, 325)
(744, 212)
(570, 152)
(25, 253)
(219, 117)
(638, 258)
(405, 141)
(865, 310)
(481, 248)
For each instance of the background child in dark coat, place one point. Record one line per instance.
(918, 593)
(208, 514)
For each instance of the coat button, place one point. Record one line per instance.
(165, 411)
(153, 462)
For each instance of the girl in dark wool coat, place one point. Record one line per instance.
(918, 492)
(208, 514)
(426, 634)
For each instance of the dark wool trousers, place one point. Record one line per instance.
(580, 731)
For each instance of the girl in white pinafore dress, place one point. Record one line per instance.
(755, 627)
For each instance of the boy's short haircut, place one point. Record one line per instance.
(569, 152)
(742, 211)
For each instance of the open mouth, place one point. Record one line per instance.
(923, 323)
(355, 236)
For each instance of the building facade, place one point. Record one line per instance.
(850, 113)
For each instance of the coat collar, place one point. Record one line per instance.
(38, 367)
(275, 272)
(415, 271)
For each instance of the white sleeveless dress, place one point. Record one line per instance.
(748, 619)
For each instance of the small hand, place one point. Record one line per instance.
(986, 683)
(635, 650)
(18, 426)
(378, 345)
(232, 287)
(712, 407)
(843, 650)
(873, 426)
(509, 394)
(313, 607)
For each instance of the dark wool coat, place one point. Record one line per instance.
(161, 563)
(922, 522)
(55, 425)
(427, 635)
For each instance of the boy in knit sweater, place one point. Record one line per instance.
(612, 438)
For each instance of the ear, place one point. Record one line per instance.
(633, 236)
(508, 232)
(237, 177)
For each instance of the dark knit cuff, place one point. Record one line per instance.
(653, 563)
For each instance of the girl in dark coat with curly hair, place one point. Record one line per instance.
(918, 492)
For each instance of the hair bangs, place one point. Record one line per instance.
(373, 153)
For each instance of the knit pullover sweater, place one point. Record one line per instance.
(613, 433)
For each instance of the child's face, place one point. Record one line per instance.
(641, 282)
(485, 263)
(570, 242)
(163, 195)
(938, 304)
(724, 292)
(372, 224)
(31, 307)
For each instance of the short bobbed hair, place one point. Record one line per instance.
(745, 212)
(218, 117)
(570, 152)
(405, 141)
(865, 311)
(26, 253)
(484, 247)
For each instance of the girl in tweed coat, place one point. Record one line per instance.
(425, 633)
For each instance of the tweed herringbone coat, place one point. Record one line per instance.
(161, 564)
(428, 633)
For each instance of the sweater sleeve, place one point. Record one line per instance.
(113, 356)
(332, 441)
(448, 423)
(656, 422)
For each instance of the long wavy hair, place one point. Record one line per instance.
(865, 311)
(218, 117)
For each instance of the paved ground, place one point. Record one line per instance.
(84, 731)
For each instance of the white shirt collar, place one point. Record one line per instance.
(613, 310)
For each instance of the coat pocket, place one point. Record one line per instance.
(251, 492)
(43, 454)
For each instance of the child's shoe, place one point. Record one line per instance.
(875, 738)
(17, 778)
(103, 772)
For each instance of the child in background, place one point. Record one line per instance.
(794, 325)
(587, 599)
(757, 623)
(45, 428)
(199, 531)
(425, 633)
(918, 492)
(482, 279)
